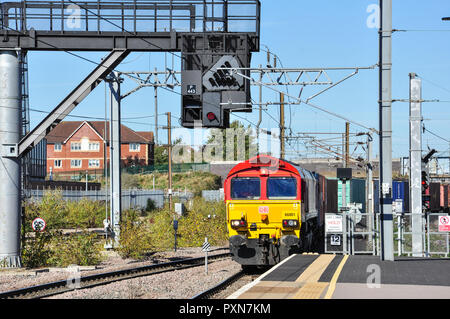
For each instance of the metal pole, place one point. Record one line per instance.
(282, 141)
(169, 143)
(415, 163)
(369, 187)
(115, 158)
(385, 101)
(10, 170)
(156, 114)
(347, 143)
(260, 109)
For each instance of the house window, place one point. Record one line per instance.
(58, 163)
(75, 163)
(135, 147)
(94, 163)
(58, 147)
(94, 146)
(75, 146)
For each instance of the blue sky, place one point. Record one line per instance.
(319, 33)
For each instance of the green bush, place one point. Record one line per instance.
(51, 248)
(85, 213)
(151, 205)
(36, 250)
(135, 241)
(206, 219)
(60, 214)
(192, 228)
(80, 249)
(161, 229)
(52, 208)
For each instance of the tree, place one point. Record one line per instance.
(161, 153)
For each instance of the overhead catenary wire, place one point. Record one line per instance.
(308, 103)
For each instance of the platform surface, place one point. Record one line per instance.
(351, 277)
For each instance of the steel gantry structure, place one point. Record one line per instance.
(186, 26)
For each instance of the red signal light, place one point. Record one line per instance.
(211, 116)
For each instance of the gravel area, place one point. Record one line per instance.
(180, 284)
(172, 285)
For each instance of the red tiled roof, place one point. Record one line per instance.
(147, 135)
(66, 128)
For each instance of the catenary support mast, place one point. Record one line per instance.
(385, 101)
(10, 186)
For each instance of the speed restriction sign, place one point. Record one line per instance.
(38, 224)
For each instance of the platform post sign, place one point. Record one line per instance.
(205, 248)
(333, 223)
(444, 223)
(334, 229)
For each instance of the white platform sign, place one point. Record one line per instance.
(333, 223)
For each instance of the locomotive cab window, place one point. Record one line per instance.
(281, 188)
(245, 188)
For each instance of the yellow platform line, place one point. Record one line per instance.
(333, 281)
(316, 269)
(311, 288)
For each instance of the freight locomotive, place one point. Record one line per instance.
(274, 209)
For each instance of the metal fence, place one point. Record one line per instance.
(130, 198)
(354, 233)
(213, 195)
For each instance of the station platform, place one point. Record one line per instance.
(314, 276)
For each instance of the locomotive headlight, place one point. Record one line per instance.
(238, 223)
(290, 223)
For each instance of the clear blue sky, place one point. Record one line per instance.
(319, 33)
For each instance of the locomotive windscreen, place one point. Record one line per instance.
(245, 188)
(281, 187)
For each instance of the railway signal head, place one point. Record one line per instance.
(424, 181)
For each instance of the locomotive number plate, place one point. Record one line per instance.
(263, 209)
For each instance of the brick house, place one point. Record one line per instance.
(80, 145)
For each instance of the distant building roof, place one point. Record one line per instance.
(147, 135)
(67, 128)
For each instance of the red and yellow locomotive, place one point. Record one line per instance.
(274, 208)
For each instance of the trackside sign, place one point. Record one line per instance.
(444, 223)
(333, 223)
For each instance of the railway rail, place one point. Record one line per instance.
(209, 293)
(245, 276)
(90, 281)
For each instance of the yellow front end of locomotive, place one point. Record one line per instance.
(269, 218)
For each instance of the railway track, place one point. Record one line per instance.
(90, 281)
(244, 275)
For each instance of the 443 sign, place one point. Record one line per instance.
(38, 224)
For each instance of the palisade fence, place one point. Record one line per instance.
(131, 198)
(213, 195)
(359, 233)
